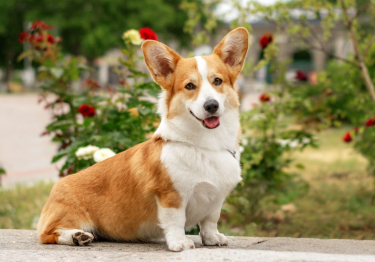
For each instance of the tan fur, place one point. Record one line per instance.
(115, 196)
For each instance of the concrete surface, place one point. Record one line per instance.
(24, 153)
(22, 245)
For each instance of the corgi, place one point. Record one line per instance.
(177, 179)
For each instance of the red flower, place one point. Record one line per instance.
(38, 39)
(347, 137)
(50, 39)
(370, 121)
(264, 97)
(301, 76)
(41, 25)
(328, 91)
(148, 34)
(122, 82)
(22, 37)
(265, 40)
(31, 38)
(86, 110)
(355, 130)
(91, 84)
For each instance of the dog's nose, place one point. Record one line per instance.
(211, 106)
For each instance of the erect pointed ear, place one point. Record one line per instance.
(161, 61)
(232, 50)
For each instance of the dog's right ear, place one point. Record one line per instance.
(161, 61)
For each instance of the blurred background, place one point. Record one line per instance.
(72, 75)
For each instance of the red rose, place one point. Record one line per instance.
(50, 39)
(265, 40)
(41, 25)
(91, 84)
(148, 34)
(301, 76)
(86, 110)
(38, 39)
(264, 97)
(370, 121)
(328, 91)
(22, 37)
(347, 137)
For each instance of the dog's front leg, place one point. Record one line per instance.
(172, 221)
(208, 230)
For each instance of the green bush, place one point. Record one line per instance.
(118, 119)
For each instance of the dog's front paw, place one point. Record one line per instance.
(180, 245)
(214, 239)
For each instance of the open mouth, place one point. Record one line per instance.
(210, 123)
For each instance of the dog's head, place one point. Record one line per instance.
(200, 89)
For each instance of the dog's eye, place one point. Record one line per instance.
(190, 86)
(218, 81)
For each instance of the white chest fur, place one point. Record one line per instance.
(201, 176)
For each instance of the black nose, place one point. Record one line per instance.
(211, 106)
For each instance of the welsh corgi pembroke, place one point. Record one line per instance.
(177, 179)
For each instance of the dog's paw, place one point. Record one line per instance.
(180, 245)
(82, 238)
(214, 239)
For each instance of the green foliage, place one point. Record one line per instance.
(118, 119)
(267, 147)
(89, 28)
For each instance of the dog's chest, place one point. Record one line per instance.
(202, 177)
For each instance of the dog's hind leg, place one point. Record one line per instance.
(64, 227)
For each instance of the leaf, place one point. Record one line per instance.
(2, 171)
(300, 166)
(57, 72)
(153, 93)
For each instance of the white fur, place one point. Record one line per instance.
(200, 166)
(207, 92)
(66, 237)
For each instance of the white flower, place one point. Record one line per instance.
(305, 140)
(283, 142)
(244, 142)
(294, 143)
(241, 149)
(103, 154)
(86, 152)
(288, 142)
(133, 36)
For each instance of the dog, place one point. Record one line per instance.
(177, 179)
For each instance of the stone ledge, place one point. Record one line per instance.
(22, 245)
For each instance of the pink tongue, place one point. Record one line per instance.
(212, 121)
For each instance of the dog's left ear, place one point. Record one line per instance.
(232, 50)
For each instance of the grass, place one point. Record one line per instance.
(338, 203)
(21, 206)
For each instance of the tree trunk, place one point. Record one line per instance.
(357, 52)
